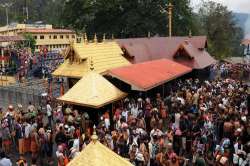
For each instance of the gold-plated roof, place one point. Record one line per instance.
(96, 154)
(7, 80)
(106, 55)
(93, 90)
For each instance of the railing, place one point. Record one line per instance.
(23, 93)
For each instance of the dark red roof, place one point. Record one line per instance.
(11, 38)
(246, 42)
(42, 30)
(200, 58)
(148, 49)
(147, 75)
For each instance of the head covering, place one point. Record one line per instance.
(244, 118)
(238, 130)
(10, 107)
(19, 106)
(66, 126)
(155, 109)
(139, 157)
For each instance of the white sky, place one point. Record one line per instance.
(235, 5)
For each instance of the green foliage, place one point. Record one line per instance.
(48, 11)
(127, 18)
(29, 41)
(78, 14)
(135, 18)
(224, 35)
(183, 18)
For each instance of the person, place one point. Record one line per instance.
(31, 107)
(200, 161)
(62, 159)
(4, 161)
(34, 143)
(6, 136)
(21, 161)
(49, 113)
(20, 136)
(33, 162)
(50, 142)
(60, 137)
(27, 132)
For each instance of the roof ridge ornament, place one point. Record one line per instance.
(149, 34)
(91, 64)
(95, 39)
(94, 137)
(85, 38)
(104, 37)
(190, 33)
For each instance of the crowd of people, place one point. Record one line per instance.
(197, 123)
(23, 63)
(234, 71)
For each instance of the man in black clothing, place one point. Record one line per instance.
(61, 137)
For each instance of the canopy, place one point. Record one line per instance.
(147, 75)
(96, 154)
(106, 55)
(93, 90)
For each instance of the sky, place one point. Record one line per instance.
(235, 5)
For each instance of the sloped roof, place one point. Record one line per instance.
(147, 75)
(106, 55)
(148, 49)
(46, 30)
(96, 154)
(7, 80)
(11, 38)
(246, 42)
(93, 90)
(200, 57)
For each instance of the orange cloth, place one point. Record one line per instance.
(26, 145)
(21, 147)
(33, 145)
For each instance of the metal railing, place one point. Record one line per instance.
(22, 93)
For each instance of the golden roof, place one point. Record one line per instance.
(93, 90)
(106, 55)
(96, 154)
(7, 80)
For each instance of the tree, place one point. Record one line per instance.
(127, 18)
(218, 23)
(183, 18)
(29, 41)
(78, 14)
